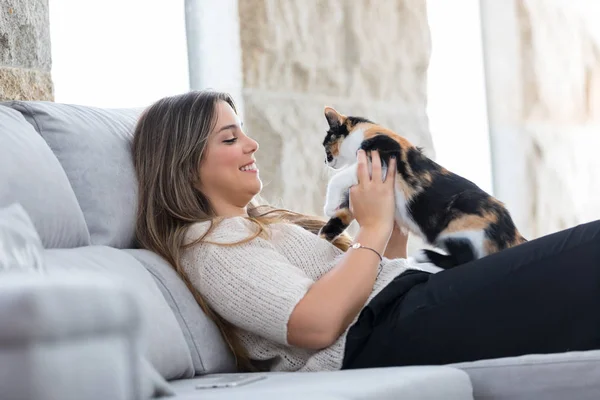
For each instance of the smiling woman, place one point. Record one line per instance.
(228, 174)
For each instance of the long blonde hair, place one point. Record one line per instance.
(169, 141)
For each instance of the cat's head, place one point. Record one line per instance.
(343, 138)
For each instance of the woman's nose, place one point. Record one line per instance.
(252, 145)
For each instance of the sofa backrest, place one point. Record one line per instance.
(74, 174)
(31, 174)
(92, 145)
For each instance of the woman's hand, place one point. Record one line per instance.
(372, 200)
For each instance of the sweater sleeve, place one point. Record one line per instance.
(251, 285)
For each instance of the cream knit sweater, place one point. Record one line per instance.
(256, 285)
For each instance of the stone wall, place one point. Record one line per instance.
(362, 57)
(25, 58)
(543, 77)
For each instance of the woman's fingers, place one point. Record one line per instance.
(391, 171)
(362, 171)
(376, 166)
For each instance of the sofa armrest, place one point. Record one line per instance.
(70, 336)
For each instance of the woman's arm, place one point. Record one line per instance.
(331, 303)
(398, 244)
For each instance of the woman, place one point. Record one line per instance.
(287, 300)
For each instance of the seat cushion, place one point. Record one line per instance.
(93, 146)
(571, 375)
(209, 351)
(415, 383)
(31, 175)
(165, 348)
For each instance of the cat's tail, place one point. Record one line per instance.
(336, 224)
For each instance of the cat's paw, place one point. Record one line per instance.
(421, 256)
(329, 232)
(443, 261)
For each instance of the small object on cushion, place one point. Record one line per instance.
(20, 245)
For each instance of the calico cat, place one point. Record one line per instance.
(447, 211)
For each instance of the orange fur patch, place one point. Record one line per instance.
(374, 130)
(471, 222)
(345, 216)
(490, 247)
(348, 124)
(519, 239)
(334, 148)
(497, 202)
(405, 188)
(426, 177)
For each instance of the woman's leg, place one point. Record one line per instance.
(540, 297)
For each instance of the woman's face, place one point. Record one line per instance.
(228, 174)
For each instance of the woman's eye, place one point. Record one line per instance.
(230, 140)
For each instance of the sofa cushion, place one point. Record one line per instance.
(71, 337)
(166, 348)
(570, 375)
(209, 351)
(20, 245)
(415, 383)
(32, 176)
(93, 146)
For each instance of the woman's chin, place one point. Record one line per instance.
(254, 188)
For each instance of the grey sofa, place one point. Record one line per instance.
(101, 319)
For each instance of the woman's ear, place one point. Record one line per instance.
(334, 118)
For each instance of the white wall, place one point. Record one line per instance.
(456, 90)
(118, 53)
(122, 53)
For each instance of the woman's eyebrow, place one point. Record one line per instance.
(230, 126)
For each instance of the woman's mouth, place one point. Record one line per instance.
(249, 168)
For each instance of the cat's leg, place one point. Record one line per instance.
(461, 247)
(337, 203)
(339, 222)
(338, 188)
(461, 250)
(433, 257)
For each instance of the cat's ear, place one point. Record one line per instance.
(334, 118)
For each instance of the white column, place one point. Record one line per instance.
(214, 48)
(456, 99)
(502, 58)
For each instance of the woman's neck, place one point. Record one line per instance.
(228, 210)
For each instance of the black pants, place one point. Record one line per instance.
(540, 297)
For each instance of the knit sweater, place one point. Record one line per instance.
(256, 285)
